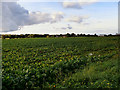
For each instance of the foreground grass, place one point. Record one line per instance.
(60, 62)
(96, 75)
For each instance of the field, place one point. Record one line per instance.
(75, 62)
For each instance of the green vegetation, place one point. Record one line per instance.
(74, 62)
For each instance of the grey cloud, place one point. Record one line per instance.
(78, 4)
(72, 5)
(39, 17)
(68, 27)
(77, 19)
(14, 16)
(86, 23)
(63, 28)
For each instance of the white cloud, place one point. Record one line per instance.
(78, 4)
(40, 17)
(15, 16)
(106, 26)
(77, 19)
(56, 17)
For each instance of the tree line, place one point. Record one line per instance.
(10, 36)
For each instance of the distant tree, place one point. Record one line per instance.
(67, 35)
(30, 36)
(9, 36)
(105, 35)
(21, 36)
(45, 35)
(110, 35)
(52, 36)
(3, 37)
(60, 35)
(78, 35)
(26, 35)
(73, 35)
(83, 35)
(95, 35)
(88, 35)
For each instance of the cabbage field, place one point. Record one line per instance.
(72, 62)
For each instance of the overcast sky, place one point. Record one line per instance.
(60, 17)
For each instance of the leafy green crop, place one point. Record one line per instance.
(79, 62)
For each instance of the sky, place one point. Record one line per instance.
(60, 17)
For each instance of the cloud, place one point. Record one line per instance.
(86, 23)
(78, 4)
(40, 17)
(77, 19)
(68, 27)
(64, 28)
(14, 16)
(9, 0)
(72, 5)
